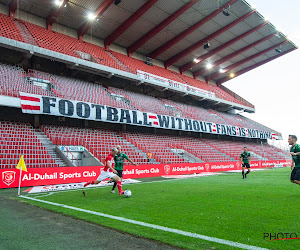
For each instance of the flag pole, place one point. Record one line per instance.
(20, 182)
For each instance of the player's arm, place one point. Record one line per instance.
(241, 158)
(249, 159)
(108, 164)
(293, 164)
(294, 154)
(128, 159)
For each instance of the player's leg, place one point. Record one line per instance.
(100, 178)
(243, 171)
(295, 176)
(117, 179)
(120, 174)
(248, 168)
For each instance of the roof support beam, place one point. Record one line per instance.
(197, 45)
(239, 63)
(124, 26)
(236, 53)
(98, 12)
(132, 48)
(218, 49)
(243, 71)
(13, 5)
(54, 14)
(188, 31)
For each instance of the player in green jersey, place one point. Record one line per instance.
(295, 153)
(245, 158)
(119, 162)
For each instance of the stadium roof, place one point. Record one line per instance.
(173, 31)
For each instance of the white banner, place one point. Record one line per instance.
(37, 104)
(170, 84)
(72, 148)
(69, 186)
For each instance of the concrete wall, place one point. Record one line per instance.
(89, 160)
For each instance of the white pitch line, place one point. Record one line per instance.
(161, 228)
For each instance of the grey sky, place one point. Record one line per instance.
(274, 88)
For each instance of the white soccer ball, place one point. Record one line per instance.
(127, 193)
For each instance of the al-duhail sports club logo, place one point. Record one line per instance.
(167, 169)
(8, 177)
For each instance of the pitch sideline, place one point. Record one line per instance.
(162, 228)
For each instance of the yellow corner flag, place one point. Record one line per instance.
(21, 165)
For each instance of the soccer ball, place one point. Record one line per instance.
(127, 193)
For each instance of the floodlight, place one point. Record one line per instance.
(91, 16)
(232, 75)
(209, 66)
(58, 2)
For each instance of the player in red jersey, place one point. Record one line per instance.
(109, 172)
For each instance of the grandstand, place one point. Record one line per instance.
(45, 53)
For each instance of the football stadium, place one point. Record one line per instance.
(117, 130)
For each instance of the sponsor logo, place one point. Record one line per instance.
(238, 165)
(8, 177)
(167, 169)
(207, 167)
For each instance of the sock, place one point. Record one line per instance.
(114, 186)
(242, 172)
(248, 172)
(119, 184)
(88, 183)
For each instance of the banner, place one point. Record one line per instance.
(178, 86)
(37, 104)
(63, 175)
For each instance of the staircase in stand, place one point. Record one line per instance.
(25, 33)
(118, 62)
(49, 147)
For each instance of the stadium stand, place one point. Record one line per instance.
(21, 138)
(9, 29)
(36, 35)
(14, 79)
(137, 145)
(18, 139)
(161, 145)
(98, 142)
(259, 152)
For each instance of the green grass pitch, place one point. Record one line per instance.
(223, 206)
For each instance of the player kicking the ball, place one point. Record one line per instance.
(108, 172)
(245, 159)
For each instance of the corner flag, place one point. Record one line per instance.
(22, 166)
